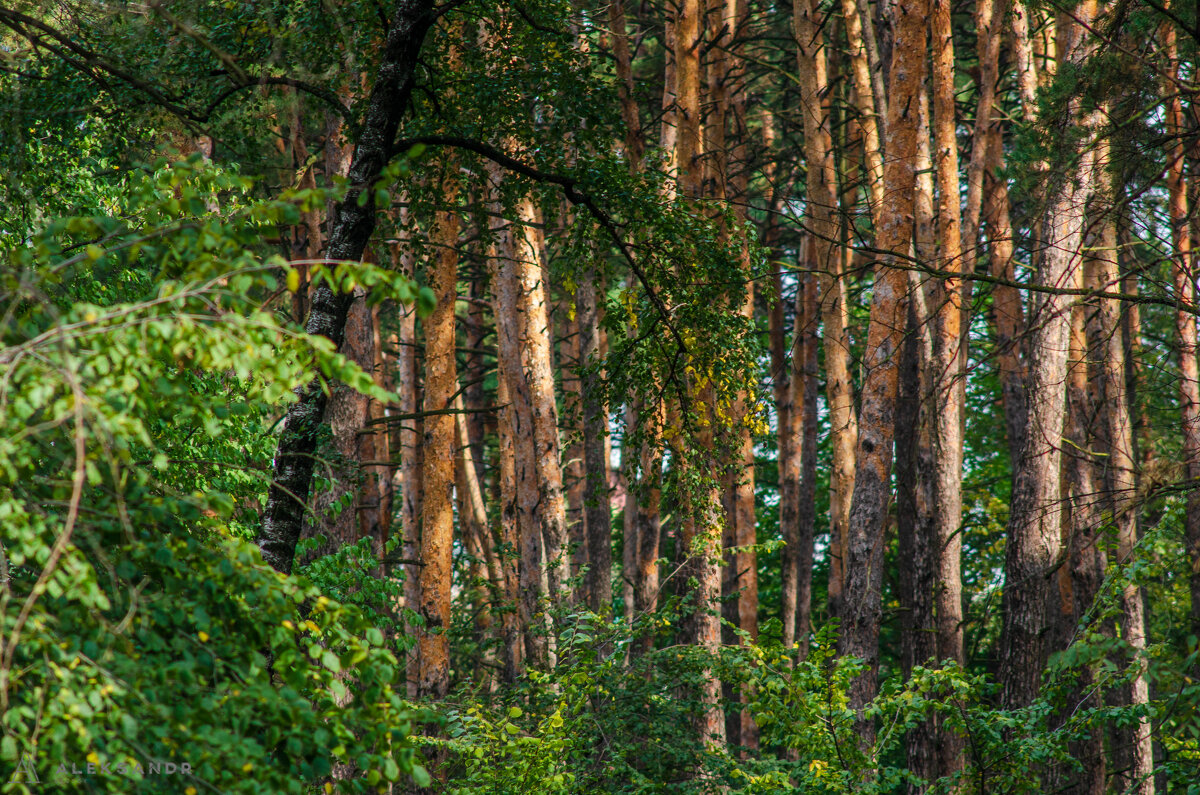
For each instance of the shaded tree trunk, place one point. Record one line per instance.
(597, 511)
(699, 536)
(820, 209)
(1034, 527)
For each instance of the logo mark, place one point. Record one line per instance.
(25, 772)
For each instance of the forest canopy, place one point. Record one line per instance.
(699, 396)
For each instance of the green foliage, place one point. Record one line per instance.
(137, 630)
(611, 720)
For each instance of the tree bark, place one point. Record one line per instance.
(947, 391)
(534, 309)
(438, 443)
(820, 208)
(597, 510)
(1185, 328)
(1034, 528)
(700, 536)
(350, 233)
(873, 456)
(869, 101)
(518, 423)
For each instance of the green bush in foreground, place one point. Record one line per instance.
(145, 647)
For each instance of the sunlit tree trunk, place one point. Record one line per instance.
(1185, 326)
(868, 95)
(946, 392)
(873, 456)
(438, 443)
(534, 297)
(518, 434)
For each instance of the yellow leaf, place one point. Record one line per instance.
(203, 636)
(293, 280)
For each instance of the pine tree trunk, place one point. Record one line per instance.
(699, 536)
(438, 445)
(537, 346)
(511, 526)
(575, 475)
(823, 259)
(873, 456)
(518, 435)
(947, 380)
(1185, 331)
(1034, 527)
(916, 574)
(410, 447)
(804, 388)
(858, 25)
(787, 445)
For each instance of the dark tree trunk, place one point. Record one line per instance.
(350, 233)
(597, 513)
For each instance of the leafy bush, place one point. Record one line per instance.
(138, 631)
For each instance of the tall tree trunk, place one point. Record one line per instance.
(350, 233)
(575, 475)
(597, 511)
(916, 572)
(699, 536)
(1034, 526)
(947, 391)
(512, 524)
(409, 444)
(787, 440)
(534, 309)
(438, 443)
(804, 388)
(858, 25)
(820, 208)
(512, 329)
(873, 456)
(1185, 327)
(1007, 314)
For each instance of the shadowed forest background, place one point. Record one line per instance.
(680, 396)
